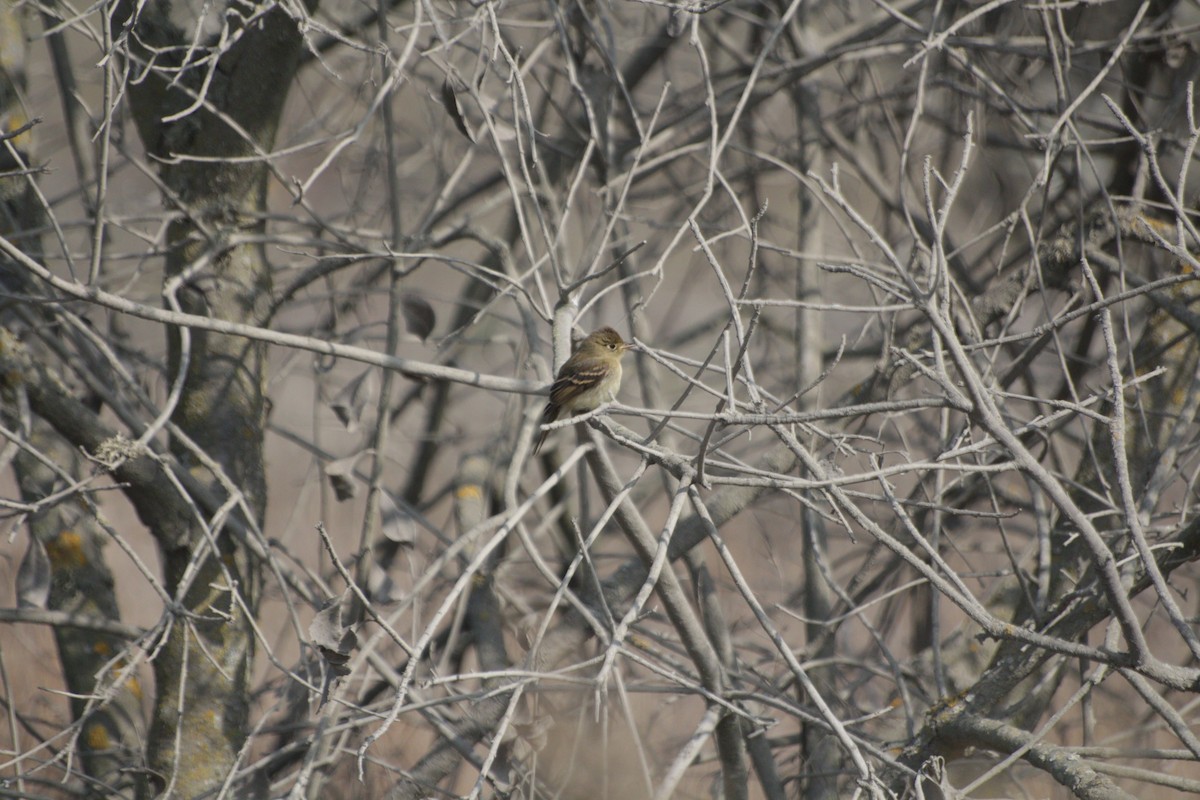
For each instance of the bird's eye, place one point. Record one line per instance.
(612, 346)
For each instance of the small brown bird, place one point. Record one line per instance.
(590, 378)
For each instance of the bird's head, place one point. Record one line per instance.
(604, 341)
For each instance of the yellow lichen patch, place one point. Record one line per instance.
(14, 120)
(639, 642)
(1161, 227)
(101, 648)
(135, 687)
(97, 737)
(66, 550)
(468, 491)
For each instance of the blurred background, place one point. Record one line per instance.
(896, 499)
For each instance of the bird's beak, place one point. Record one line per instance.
(630, 346)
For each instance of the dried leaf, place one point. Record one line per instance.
(503, 132)
(33, 576)
(399, 525)
(380, 587)
(341, 477)
(536, 732)
(1177, 54)
(354, 397)
(454, 109)
(334, 639)
(419, 317)
(344, 487)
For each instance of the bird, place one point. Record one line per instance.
(590, 378)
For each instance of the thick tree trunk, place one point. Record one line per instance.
(211, 177)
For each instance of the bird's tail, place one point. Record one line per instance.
(549, 415)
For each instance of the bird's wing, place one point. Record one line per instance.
(586, 375)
